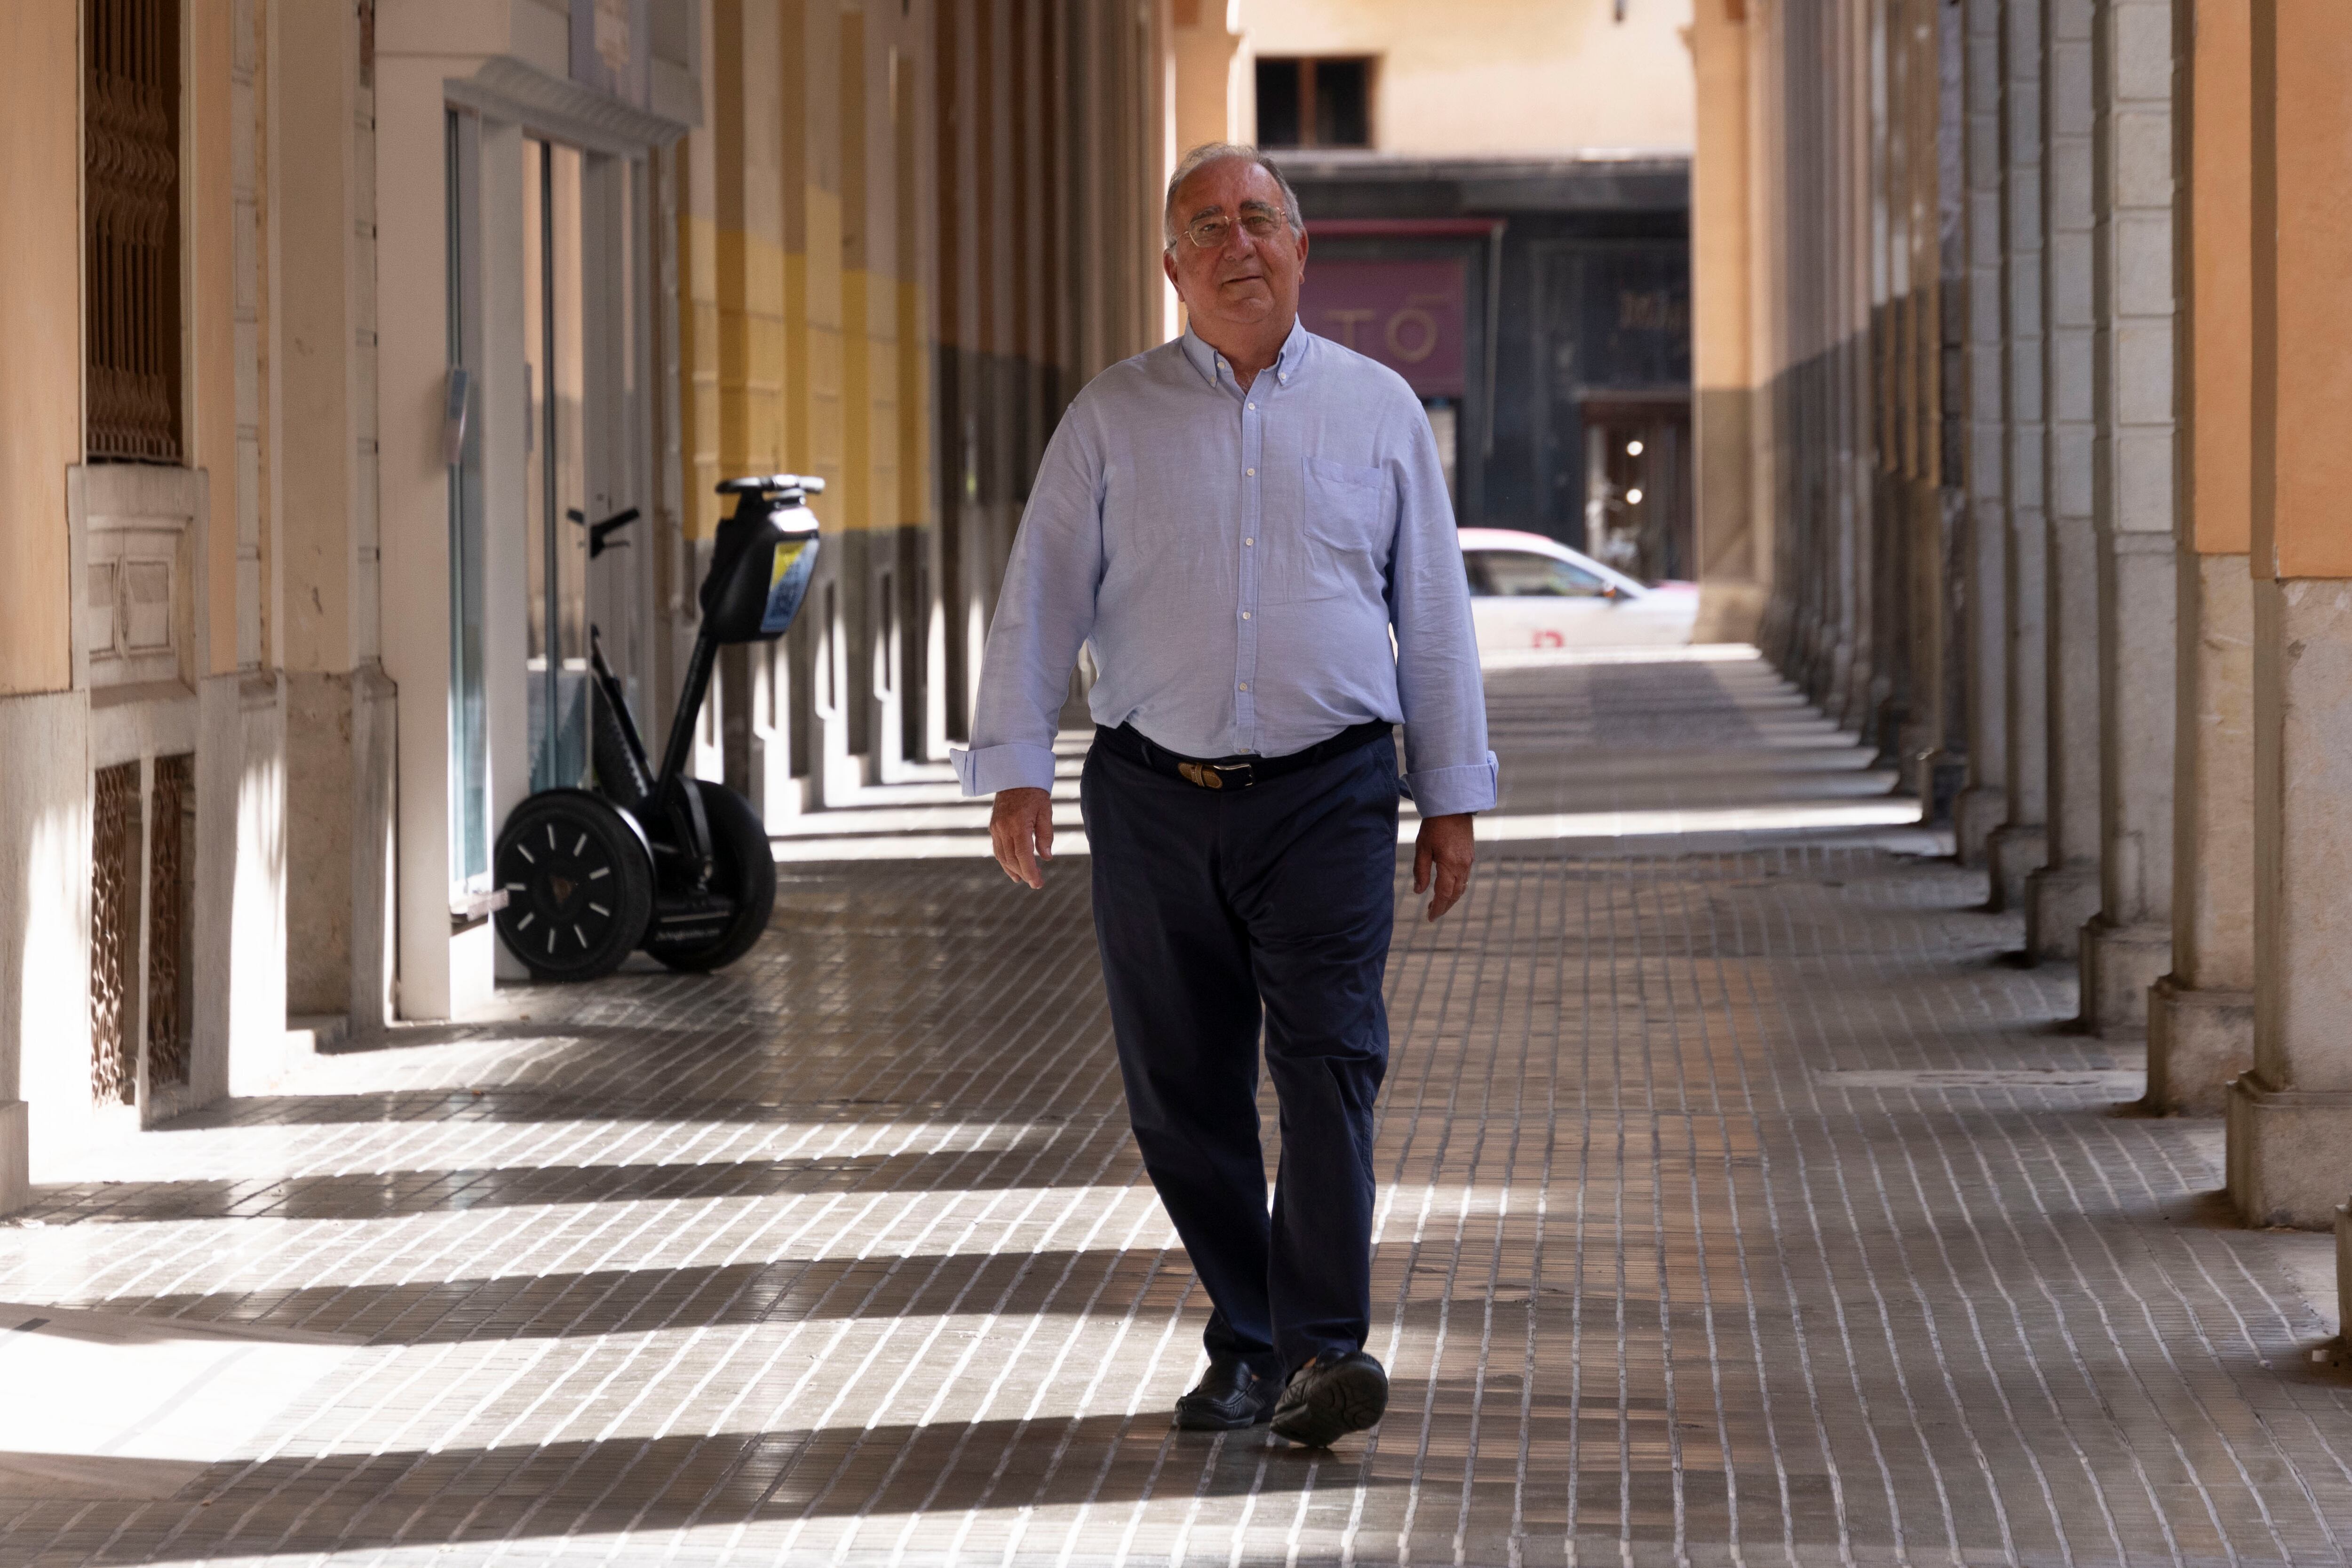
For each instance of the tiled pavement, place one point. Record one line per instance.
(1741, 1203)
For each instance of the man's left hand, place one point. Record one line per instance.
(1446, 845)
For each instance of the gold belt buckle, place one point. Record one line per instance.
(1210, 775)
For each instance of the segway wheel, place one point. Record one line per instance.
(743, 872)
(579, 881)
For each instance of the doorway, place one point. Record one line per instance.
(1637, 491)
(1611, 342)
(586, 551)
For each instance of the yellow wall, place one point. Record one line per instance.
(1498, 77)
(1720, 255)
(2303, 278)
(40, 335)
(2221, 279)
(795, 326)
(1211, 101)
(1733, 529)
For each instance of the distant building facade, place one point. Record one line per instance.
(1498, 199)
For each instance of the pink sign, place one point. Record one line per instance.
(1406, 314)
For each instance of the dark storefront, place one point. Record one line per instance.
(1576, 423)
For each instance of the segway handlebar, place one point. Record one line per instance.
(772, 484)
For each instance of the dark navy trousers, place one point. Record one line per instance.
(1218, 910)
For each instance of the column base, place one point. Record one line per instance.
(1729, 612)
(2199, 1042)
(2013, 854)
(15, 1156)
(2290, 1158)
(2119, 964)
(1977, 812)
(2059, 901)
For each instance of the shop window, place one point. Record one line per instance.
(1314, 101)
(131, 176)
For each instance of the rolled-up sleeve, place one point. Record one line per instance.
(1045, 613)
(1448, 768)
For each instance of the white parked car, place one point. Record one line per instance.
(1528, 593)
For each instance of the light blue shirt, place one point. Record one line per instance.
(1237, 560)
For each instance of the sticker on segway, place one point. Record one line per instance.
(787, 579)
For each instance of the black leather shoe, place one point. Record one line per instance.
(1231, 1396)
(1328, 1399)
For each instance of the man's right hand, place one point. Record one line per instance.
(1021, 829)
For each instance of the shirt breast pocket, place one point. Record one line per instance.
(1344, 528)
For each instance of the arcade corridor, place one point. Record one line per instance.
(1744, 1200)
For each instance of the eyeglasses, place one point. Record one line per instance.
(1211, 232)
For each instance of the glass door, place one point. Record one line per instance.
(470, 751)
(555, 469)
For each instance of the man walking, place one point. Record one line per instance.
(1238, 522)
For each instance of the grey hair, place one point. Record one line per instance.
(1209, 152)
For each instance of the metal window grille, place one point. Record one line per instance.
(171, 918)
(114, 936)
(132, 177)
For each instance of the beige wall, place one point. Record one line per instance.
(40, 334)
(1498, 77)
(312, 333)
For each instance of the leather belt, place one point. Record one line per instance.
(1234, 772)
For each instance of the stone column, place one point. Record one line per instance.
(1984, 802)
(1845, 654)
(45, 784)
(2290, 1127)
(338, 717)
(2201, 1025)
(2019, 846)
(2064, 892)
(1770, 452)
(1924, 725)
(239, 1037)
(1734, 537)
(2128, 944)
(1851, 158)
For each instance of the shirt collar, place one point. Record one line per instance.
(1209, 363)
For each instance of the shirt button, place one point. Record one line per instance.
(1245, 614)
(1249, 542)
(1245, 686)
(1253, 407)
(1251, 472)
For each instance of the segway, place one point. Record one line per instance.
(675, 865)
